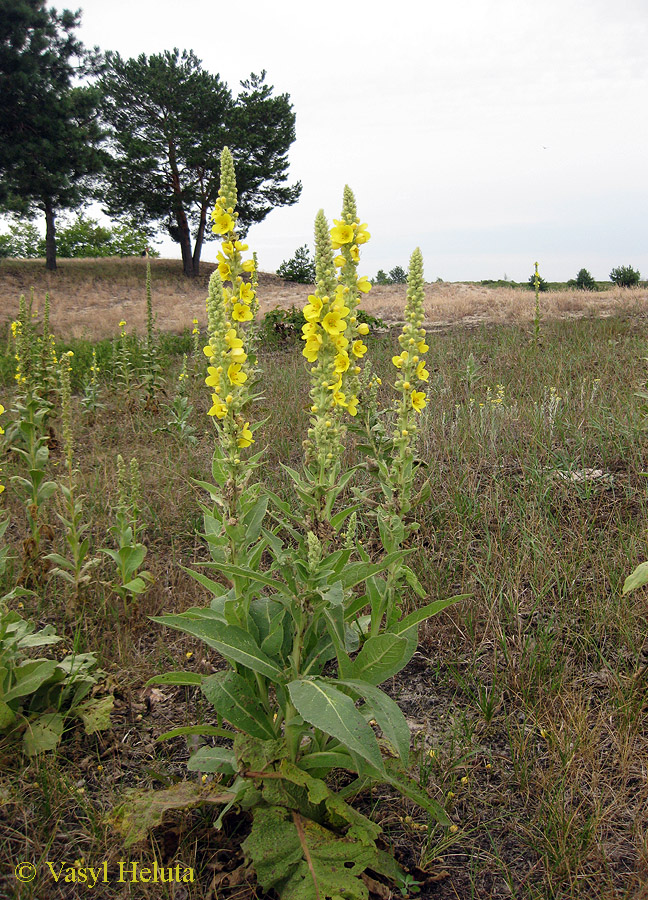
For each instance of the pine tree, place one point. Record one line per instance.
(49, 133)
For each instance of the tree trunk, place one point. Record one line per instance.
(180, 215)
(50, 237)
(199, 240)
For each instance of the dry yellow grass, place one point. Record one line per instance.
(89, 297)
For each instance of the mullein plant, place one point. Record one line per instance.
(293, 611)
(131, 580)
(29, 439)
(76, 567)
(151, 379)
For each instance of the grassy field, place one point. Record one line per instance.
(527, 702)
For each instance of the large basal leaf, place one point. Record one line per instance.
(302, 860)
(143, 810)
(230, 641)
(186, 679)
(29, 677)
(95, 714)
(43, 734)
(334, 713)
(636, 579)
(381, 657)
(234, 700)
(387, 714)
(212, 760)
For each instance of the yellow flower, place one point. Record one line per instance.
(363, 328)
(312, 348)
(313, 309)
(208, 351)
(223, 222)
(219, 409)
(240, 246)
(399, 360)
(341, 234)
(339, 342)
(359, 349)
(333, 322)
(213, 379)
(342, 362)
(339, 399)
(2, 409)
(418, 400)
(248, 265)
(339, 261)
(355, 253)
(245, 437)
(362, 235)
(352, 406)
(235, 375)
(309, 330)
(246, 293)
(122, 324)
(422, 347)
(224, 271)
(421, 372)
(241, 313)
(364, 285)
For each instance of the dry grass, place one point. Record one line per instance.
(90, 296)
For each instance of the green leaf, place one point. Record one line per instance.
(29, 677)
(387, 714)
(7, 715)
(213, 759)
(334, 713)
(212, 586)
(143, 810)
(425, 612)
(326, 760)
(43, 734)
(381, 657)
(253, 520)
(234, 699)
(95, 714)
(230, 641)
(637, 579)
(207, 730)
(302, 860)
(191, 679)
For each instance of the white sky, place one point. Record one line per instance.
(437, 114)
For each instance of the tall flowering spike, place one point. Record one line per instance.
(324, 268)
(231, 305)
(66, 407)
(411, 374)
(2, 409)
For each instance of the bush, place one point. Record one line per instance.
(625, 276)
(382, 278)
(584, 281)
(398, 275)
(542, 284)
(85, 237)
(300, 269)
(282, 326)
(22, 242)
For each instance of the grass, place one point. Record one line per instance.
(527, 703)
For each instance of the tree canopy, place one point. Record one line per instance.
(49, 131)
(169, 119)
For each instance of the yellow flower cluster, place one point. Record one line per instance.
(409, 361)
(228, 309)
(332, 332)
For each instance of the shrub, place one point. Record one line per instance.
(300, 269)
(625, 276)
(542, 284)
(584, 281)
(85, 237)
(398, 275)
(382, 278)
(22, 242)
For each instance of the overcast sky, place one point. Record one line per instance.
(491, 133)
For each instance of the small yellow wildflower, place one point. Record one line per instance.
(364, 285)
(341, 234)
(421, 372)
(359, 349)
(219, 409)
(241, 313)
(245, 437)
(235, 375)
(363, 329)
(313, 309)
(223, 222)
(399, 360)
(418, 401)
